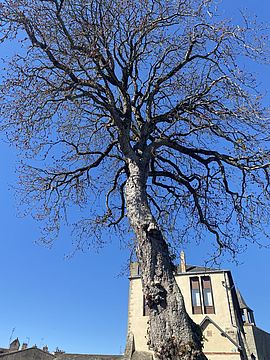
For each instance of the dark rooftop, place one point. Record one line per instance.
(241, 300)
(195, 269)
(65, 356)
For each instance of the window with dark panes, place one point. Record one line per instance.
(195, 295)
(207, 295)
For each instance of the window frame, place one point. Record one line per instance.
(208, 309)
(196, 309)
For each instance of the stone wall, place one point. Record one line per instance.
(258, 342)
(224, 316)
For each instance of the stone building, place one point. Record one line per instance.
(15, 352)
(211, 299)
(213, 302)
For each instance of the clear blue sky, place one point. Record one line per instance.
(80, 305)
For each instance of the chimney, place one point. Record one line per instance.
(183, 267)
(134, 269)
(15, 345)
(58, 351)
(24, 346)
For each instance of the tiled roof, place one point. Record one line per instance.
(29, 353)
(137, 355)
(196, 269)
(242, 303)
(65, 356)
(3, 350)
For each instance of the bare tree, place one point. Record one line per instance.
(144, 103)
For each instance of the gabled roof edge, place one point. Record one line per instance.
(30, 348)
(223, 333)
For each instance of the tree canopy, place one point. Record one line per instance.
(161, 78)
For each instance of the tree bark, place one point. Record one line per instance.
(172, 335)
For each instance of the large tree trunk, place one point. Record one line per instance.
(172, 334)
